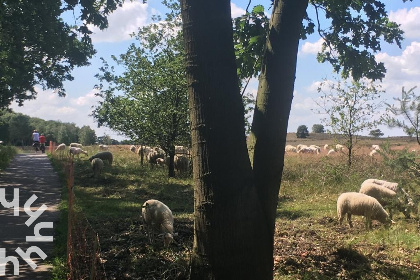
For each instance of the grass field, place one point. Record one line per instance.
(309, 242)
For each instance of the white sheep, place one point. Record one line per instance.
(103, 147)
(300, 147)
(376, 147)
(318, 148)
(76, 151)
(353, 203)
(157, 217)
(331, 151)
(60, 147)
(97, 166)
(326, 146)
(339, 147)
(133, 148)
(77, 145)
(104, 156)
(290, 148)
(382, 194)
(373, 153)
(308, 150)
(390, 185)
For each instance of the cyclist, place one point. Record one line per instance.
(35, 138)
(42, 142)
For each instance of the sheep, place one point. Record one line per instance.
(60, 147)
(181, 163)
(308, 150)
(103, 147)
(376, 147)
(326, 147)
(157, 217)
(77, 145)
(300, 147)
(353, 203)
(331, 151)
(181, 150)
(97, 166)
(402, 201)
(133, 148)
(290, 148)
(373, 153)
(76, 151)
(104, 156)
(339, 147)
(382, 194)
(317, 148)
(160, 161)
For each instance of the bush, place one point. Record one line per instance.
(6, 154)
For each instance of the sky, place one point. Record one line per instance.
(403, 67)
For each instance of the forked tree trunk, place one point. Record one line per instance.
(234, 213)
(231, 238)
(274, 100)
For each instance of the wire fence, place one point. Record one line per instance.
(83, 246)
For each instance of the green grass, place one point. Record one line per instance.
(308, 243)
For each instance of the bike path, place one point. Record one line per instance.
(32, 174)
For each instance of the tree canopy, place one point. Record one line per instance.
(38, 48)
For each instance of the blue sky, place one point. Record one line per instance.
(403, 67)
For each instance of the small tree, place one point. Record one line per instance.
(376, 133)
(318, 128)
(87, 136)
(350, 108)
(302, 131)
(409, 108)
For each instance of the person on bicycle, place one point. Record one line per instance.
(35, 138)
(42, 142)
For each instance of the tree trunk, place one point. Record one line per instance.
(274, 99)
(231, 234)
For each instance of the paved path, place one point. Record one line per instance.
(32, 174)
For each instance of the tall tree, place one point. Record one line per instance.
(38, 47)
(153, 108)
(235, 203)
(20, 131)
(351, 108)
(87, 135)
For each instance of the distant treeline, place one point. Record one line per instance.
(16, 129)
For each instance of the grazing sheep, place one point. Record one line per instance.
(133, 148)
(76, 151)
(339, 147)
(318, 148)
(290, 148)
(300, 147)
(60, 147)
(103, 147)
(353, 203)
(97, 166)
(402, 201)
(77, 145)
(308, 150)
(181, 150)
(160, 161)
(373, 153)
(104, 156)
(157, 217)
(181, 163)
(376, 147)
(382, 194)
(326, 146)
(331, 151)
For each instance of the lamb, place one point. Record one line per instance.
(97, 166)
(77, 145)
(353, 203)
(157, 217)
(76, 151)
(290, 148)
(104, 156)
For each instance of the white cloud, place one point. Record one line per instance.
(122, 22)
(312, 48)
(236, 11)
(409, 20)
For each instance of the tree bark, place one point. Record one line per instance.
(231, 238)
(274, 100)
